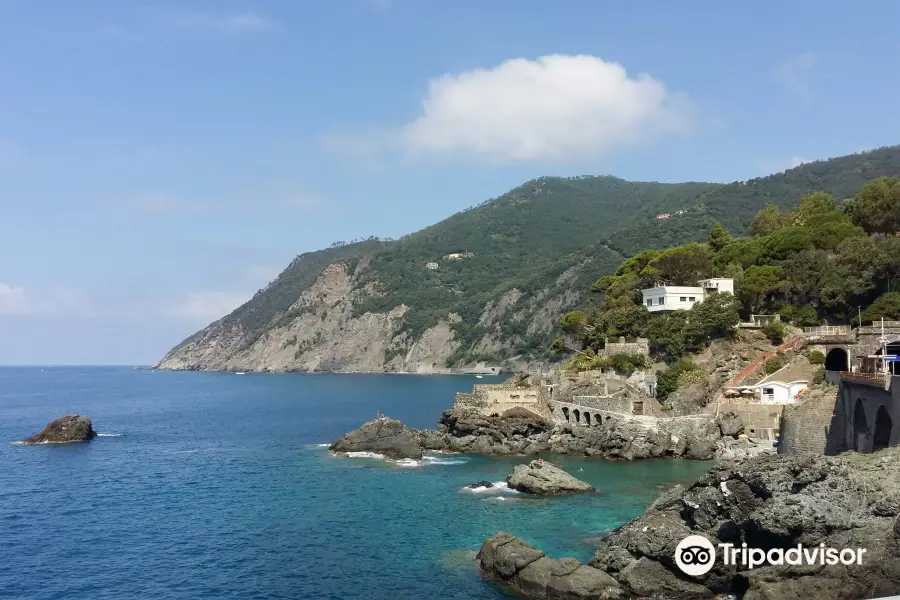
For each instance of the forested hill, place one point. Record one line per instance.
(534, 251)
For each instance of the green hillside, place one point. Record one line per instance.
(527, 238)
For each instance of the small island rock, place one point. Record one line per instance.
(385, 436)
(66, 429)
(540, 477)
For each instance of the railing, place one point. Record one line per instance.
(880, 378)
(752, 367)
(828, 330)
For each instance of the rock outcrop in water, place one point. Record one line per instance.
(524, 433)
(64, 430)
(508, 559)
(543, 478)
(769, 502)
(385, 436)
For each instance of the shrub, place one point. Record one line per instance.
(667, 381)
(773, 364)
(819, 376)
(775, 331)
(816, 358)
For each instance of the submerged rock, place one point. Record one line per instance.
(479, 484)
(543, 478)
(385, 436)
(508, 559)
(64, 430)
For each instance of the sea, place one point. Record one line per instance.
(217, 485)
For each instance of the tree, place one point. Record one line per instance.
(758, 282)
(714, 318)
(811, 205)
(574, 322)
(876, 207)
(718, 238)
(886, 306)
(827, 230)
(682, 265)
(769, 220)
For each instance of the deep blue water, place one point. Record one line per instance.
(209, 485)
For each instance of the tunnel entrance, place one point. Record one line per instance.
(883, 426)
(837, 360)
(860, 426)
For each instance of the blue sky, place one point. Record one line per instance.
(161, 161)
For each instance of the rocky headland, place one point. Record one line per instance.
(64, 430)
(767, 502)
(385, 436)
(542, 478)
(526, 433)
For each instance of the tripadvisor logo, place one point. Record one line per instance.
(695, 555)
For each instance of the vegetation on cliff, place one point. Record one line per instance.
(823, 261)
(546, 241)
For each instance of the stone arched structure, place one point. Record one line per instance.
(587, 419)
(881, 437)
(577, 414)
(837, 359)
(860, 426)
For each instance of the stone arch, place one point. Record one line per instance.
(837, 359)
(599, 418)
(860, 426)
(565, 411)
(577, 414)
(587, 418)
(883, 426)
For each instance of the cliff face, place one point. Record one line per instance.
(321, 332)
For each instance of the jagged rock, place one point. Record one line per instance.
(848, 501)
(385, 436)
(730, 423)
(480, 484)
(66, 429)
(543, 478)
(508, 559)
(524, 433)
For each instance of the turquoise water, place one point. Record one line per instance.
(217, 486)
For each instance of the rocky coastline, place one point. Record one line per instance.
(64, 430)
(767, 502)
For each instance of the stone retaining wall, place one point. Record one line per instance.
(805, 426)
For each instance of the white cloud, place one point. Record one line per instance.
(15, 300)
(556, 108)
(192, 22)
(794, 75)
(206, 306)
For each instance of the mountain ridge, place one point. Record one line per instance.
(374, 306)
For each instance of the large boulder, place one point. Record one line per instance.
(385, 436)
(64, 430)
(730, 423)
(508, 559)
(543, 478)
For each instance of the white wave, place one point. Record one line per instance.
(109, 435)
(321, 445)
(365, 455)
(498, 487)
(407, 462)
(445, 459)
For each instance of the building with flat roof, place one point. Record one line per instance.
(668, 298)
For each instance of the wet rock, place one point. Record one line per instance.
(545, 479)
(730, 423)
(64, 430)
(506, 558)
(385, 436)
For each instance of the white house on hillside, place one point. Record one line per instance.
(667, 298)
(780, 392)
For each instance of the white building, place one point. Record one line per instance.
(673, 297)
(433, 266)
(780, 392)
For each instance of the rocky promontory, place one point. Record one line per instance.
(542, 478)
(385, 436)
(851, 501)
(64, 430)
(525, 433)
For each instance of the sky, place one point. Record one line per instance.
(162, 161)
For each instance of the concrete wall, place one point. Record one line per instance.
(639, 346)
(620, 403)
(760, 420)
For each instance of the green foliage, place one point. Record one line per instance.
(811, 205)
(773, 364)
(799, 315)
(886, 306)
(682, 265)
(816, 358)
(574, 322)
(757, 283)
(775, 331)
(876, 207)
(718, 238)
(769, 220)
(623, 364)
(818, 377)
(668, 380)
